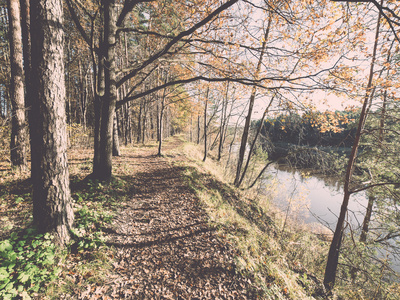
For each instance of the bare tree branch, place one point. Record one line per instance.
(175, 40)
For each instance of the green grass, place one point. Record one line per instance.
(281, 264)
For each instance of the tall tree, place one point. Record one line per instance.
(223, 123)
(171, 42)
(27, 59)
(246, 128)
(52, 205)
(18, 122)
(110, 93)
(334, 250)
(205, 124)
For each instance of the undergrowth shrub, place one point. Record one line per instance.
(88, 228)
(95, 204)
(27, 262)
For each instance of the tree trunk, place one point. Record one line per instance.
(367, 219)
(18, 121)
(254, 142)
(104, 170)
(52, 205)
(246, 128)
(205, 125)
(158, 120)
(198, 128)
(26, 41)
(116, 151)
(82, 95)
(139, 122)
(68, 82)
(160, 126)
(334, 250)
(144, 123)
(98, 87)
(223, 123)
(191, 127)
(233, 138)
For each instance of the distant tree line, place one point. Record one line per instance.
(308, 130)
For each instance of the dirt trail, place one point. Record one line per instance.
(165, 248)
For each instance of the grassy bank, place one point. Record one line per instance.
(280, 258)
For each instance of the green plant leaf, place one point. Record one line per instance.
(5, 246)
(3, 274)
(25, 296)
(9, 287)
(23, 277)
(19, 200)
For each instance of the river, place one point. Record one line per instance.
(320, 197)
(315, 200)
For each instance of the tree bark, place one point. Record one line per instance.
(254, 142)
(233, 138)
(160, 124)
(205, 125)
(83, 93)
(139, 122)
(52, 205)
(26, 41)
(198, 128)
(99, 88)
(116, 151)
(27, 53)
(104, 170)
(334, 250)
(144, 122)
(246, 128)
(18, 120)
(223, 123)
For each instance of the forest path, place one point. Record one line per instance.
(165, 247)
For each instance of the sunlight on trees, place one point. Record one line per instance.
(242, 78)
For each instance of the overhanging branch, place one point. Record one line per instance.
(175, 40)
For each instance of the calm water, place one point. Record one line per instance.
(316, 200)
(320, 197)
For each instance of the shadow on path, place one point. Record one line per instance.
(165, 247)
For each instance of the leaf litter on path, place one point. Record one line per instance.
(165, 248)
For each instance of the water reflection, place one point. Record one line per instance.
(316, 199)
(321, 195)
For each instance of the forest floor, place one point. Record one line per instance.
(163, 229)
(164, 247)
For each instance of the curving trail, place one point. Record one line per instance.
(165, 248)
